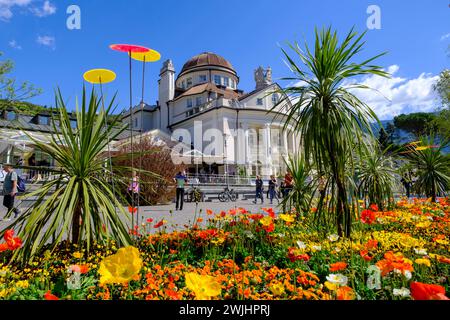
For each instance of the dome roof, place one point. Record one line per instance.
(207, 59)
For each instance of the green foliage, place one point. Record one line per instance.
(82, 203)
(330, 119)
(303, 189)
(432, 168)
(420, 123)
(376, 175)
(10, 90)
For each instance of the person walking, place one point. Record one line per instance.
(180, 180)
(10, 190)
(273, 184)
(259, 189)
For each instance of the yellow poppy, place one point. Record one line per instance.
(287, 217)
(203, 286)
(120, 267)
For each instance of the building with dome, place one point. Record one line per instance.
(220, 128)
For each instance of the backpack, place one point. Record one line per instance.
(20, 184)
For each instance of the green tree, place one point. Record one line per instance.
(330, 118)
(80, 202)
(442, 87)
(418, 124)
(10, 89)
(432, 167)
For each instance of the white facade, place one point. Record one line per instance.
(205, 105)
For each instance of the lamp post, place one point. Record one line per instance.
(225, 165)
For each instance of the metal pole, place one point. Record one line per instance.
(131, 141)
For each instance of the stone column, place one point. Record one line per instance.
(267, 162)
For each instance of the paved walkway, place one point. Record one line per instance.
(178, 219)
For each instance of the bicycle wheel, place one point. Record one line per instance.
(222, 197)
(233, 196)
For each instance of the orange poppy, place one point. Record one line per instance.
(337, 266)
(423, 291)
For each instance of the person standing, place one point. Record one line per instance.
(180, 180)
(10, 190)
(259, 189)
(288, 183)
(273, 184)
(133, 190)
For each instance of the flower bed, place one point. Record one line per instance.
(398, 254)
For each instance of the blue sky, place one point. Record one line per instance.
(416, 35)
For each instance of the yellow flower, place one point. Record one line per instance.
(331, 286)
(423, 261)
(266, 221)
(120, 267)
(203, 286)
(424, 224)
(287, 217)
(277, 288)
(442, 241)
(22, 284)
(77, 255)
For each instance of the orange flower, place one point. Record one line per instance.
(423, 291)
(81, 268)
(270, 212)
(337, 266)
(393, 261)
(199, 220)
(159, 224)
(345, 293)
(365, 255)
(209, 212)
(49, 296)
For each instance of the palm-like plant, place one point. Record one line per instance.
(376, 175)
(83, 203)
(328, 116)
(432, 167)
(302, 191)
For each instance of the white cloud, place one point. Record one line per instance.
(47, 41)
(13, 44)
(445, 36)
(397, 95)
(6, 7)
(47, 9)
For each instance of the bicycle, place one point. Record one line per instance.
(195, 195)
(227, 195)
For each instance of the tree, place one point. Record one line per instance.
(432, 167)
(419, 123)
(10, 90)
(442, 87)
(80, 202)
(331, 120)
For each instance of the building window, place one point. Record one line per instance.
(198, 101)
(274, 98)
(44, 120)
(259, 101)
(189, 103)
(10, 115)
(232, 84)
(217, 80)
(183, 84)
(202, 78)
(226, 82)
(135, 122)
(189, 82)
(73, 123)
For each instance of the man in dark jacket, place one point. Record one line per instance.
(259, 189)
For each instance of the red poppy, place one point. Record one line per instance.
(365, 255)
(367, 216)
(423, 291)
(9, 234)
(374, 207)
(223, 214)
(149, 220)
(159, 224)
(270, 212)
(4, 247)
(337, 266)
(371, 244)
(49, 296)
(132, 210)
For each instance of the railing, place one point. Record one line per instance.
(195, 179)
